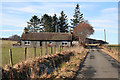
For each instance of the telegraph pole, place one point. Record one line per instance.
(105, 35)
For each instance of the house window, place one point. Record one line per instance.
(27, 42)
(65, 43)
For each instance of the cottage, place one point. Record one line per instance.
(45, 38)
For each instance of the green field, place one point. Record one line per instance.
(18, 53)
(114, 47)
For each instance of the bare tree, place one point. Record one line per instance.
(82, 31)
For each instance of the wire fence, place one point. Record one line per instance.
(20, 54)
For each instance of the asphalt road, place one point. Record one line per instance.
(99, 65)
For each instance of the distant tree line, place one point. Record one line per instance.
(12, 38)
(15, 38)
(48, 23)
(54, 23)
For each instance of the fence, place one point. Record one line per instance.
(16, 56)
(113, 48)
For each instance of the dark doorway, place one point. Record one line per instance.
(40, 43)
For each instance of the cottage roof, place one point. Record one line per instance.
(50, 36)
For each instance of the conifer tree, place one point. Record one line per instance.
(55, 23)
(63, 25)
(33, 24)
(46, 22)
(77, 17)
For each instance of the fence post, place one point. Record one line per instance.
(25, 53)
(34, 51)
(41, 50)
(60, 48)
(46, 50)
(51, 50)
(55, 49)
(11, 61)
(39, 53)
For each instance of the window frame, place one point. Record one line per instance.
(28, 42)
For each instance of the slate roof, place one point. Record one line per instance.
(50, 36)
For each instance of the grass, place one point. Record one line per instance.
(114, 47)
(18, 53)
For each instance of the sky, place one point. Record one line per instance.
(101, 15)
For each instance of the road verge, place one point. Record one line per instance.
(112, 54)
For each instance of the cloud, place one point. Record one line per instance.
(104, 25)
(13, 22)
(100, 21)
(28, 9)
(88, 6)
(45, 7)
(10, 30)
(108, 19)
(115, 31)
(113, 10)
(98, 29)
(60, 0)
(40, 7)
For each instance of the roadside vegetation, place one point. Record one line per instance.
(68, 70)
(113, 51)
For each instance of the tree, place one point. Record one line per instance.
(63, 25)
(46, 21)
(15, 38)
(82, 31)
(33, 24)
(55, 23)
(77, 17)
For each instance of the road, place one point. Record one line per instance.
(99, 65)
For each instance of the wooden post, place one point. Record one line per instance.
(39, 53)
(34, 51)
(60, 48)
(71, 43)
(55, 49)
(46, 50)
(51, 50)
(25, 53)
(11, 61)
(41, 50)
